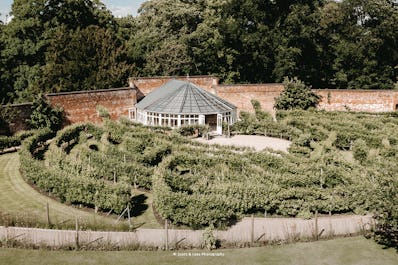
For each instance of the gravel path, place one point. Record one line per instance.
(257, 142)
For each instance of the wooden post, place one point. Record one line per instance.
(316, 225)
(167, 234)
(48, 214)
(252, 230)
(6, 239)
(128, 213)
(77, 234)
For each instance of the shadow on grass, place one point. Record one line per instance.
(139, 205)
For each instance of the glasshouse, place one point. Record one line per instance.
(178, 103)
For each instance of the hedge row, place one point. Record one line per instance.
(204, 187)
(124, 153)
(251, 124)
(72, 133)
(70, 188)
(12, 141)
(195, 210)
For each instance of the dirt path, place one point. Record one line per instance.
(257, 142)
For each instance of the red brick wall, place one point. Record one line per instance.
(358, 100)
(145, 85)
(355, 100)
(81, 106)
(241, 95)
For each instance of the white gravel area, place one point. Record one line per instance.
(257, 142)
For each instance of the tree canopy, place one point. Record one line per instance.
(67, 45)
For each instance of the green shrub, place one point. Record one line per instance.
(12, 141)
(209, 240)
(45, 116)
(360, 150)
(8, 141)
(70, 187)
(296, 95)
(103, 112)
(191, 130)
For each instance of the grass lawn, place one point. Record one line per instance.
(21, 201)
(355, 251)
(143, 216)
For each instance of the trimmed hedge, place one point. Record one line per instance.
(12, 141)
(70, 188)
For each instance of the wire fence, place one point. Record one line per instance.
(249, 231)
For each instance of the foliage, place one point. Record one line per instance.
(84, 59)
(360, 150)
(296, 95)
(191, 130)
(209, 240)
(67, 45)
(67, 187)
(7, 115)
(103, 112)
(260, 114)
(198, 185)
(11, 141)
(386, 230)
(45, 116)
(261, 123)
(7, 142)
(29, 46)
(316, 176)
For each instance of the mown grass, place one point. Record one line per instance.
(345, 251)
(143, 215)
(19, 201)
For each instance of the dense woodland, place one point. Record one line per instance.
(68, 45)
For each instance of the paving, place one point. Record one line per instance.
(259, 143)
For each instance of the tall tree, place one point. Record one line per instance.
(359, 42)
(241, 42)
(29, 34)
(161, 23)
(24, 46)
(84, 59)
(295, 42)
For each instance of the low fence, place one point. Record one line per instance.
(249, 230)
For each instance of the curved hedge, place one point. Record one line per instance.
(195, 210)
(72, 133)
(12, 141)
(68, 187)
(204, 187)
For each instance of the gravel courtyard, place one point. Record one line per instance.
(257, 142)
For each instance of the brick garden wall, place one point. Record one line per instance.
(358, 100)
(241, 95)
(332, 99)
(81, 106)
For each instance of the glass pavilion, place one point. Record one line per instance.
(178, 103)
